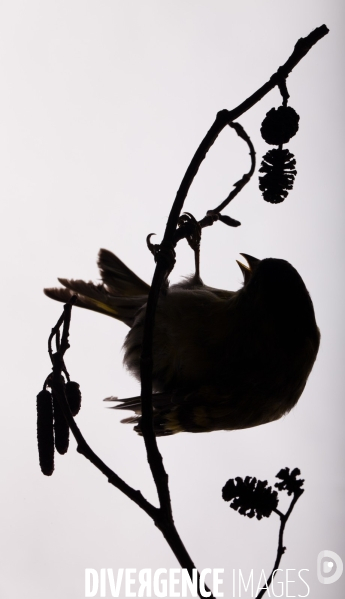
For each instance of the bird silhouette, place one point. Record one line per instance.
(222, 360)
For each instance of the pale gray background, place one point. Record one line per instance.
(102, 106)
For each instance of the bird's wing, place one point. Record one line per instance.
(118, 278)
(221, 293)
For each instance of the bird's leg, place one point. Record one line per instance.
(167, 254)
(194, 239)
(197, 262)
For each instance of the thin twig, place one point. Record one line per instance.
(57, 384)
(224, 117)
(55, 332)
(214, 215)
(281, 549)
(246, 177)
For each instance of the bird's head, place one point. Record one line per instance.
(272, 287)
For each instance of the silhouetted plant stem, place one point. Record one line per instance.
(223, 118)
(162, 517)
(281, 549)
(246, 177)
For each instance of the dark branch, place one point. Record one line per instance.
(214, 215)
(246, 177)
(281, 549)
(223, 119)
(56, 382)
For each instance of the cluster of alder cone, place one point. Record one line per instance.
(52, 426)
(252, 497)
(279, 125)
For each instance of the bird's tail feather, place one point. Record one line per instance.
(118, 278)
(120, 295)
(165, 417)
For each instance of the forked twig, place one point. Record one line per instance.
(158, 515)
(281, 549)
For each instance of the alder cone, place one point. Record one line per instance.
(61, 429)
(250, 497)
(73, 396)
(278, 166)
(279, 125)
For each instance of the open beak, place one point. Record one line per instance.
(247, 271)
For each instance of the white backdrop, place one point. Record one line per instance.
(102, 106)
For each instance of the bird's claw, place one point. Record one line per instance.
(194, 230)
(162, 253)
(193, 236)
(153, 247)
